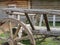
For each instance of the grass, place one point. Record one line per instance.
(51, 24)
(3, 35)
(48, 41)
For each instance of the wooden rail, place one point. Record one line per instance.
(34, 11)
(40, 11)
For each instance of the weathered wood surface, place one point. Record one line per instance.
(40, 11)
(18, 13)
(46, 22)
(54, 31)
(27, 30)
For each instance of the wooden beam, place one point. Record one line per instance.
(43, 31)
(46, 22)
(29, 21)
(40, 11)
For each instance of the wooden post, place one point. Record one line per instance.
(41, 19)
(33, 21)
(11, 6)
(53, 20)
(18, 17)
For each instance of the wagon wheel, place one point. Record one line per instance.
(7, 36)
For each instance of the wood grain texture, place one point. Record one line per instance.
(19, 3)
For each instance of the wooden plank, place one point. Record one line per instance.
(41, 19)
(18, 13)
(40, 11)
(54, 20)
(19, 3)
(43, 31)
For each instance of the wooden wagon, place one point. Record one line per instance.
(13, 39)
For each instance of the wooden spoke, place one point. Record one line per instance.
(10, 29)
(16, 33)
(11, 33)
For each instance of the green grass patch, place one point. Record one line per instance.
(26, 42)
(48, 41)
(51, 24)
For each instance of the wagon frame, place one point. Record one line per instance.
(26, 12)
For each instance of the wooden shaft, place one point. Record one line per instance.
(29, 21)
(46, 22)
